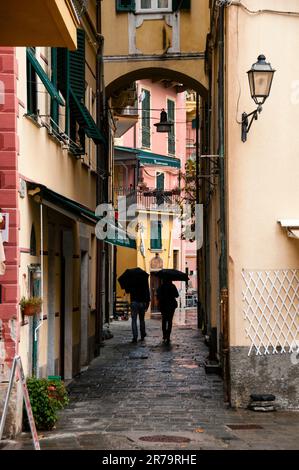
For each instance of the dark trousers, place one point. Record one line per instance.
(138, 309)
(167, 323)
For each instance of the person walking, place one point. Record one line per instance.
(140, 299)
(167, 294)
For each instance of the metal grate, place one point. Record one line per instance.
(271, 310)
(163, 438)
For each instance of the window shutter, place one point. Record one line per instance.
(146, 120)
(156, 235)
(77, 67)
(160, 181)
(125, 5)
(181, 5)
(171, 133)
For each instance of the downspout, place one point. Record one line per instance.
(223, 278)
(197, 199)
(103, 168)
(100, 278)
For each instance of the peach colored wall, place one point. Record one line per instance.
(263, 173)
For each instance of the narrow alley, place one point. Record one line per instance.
(152, 396)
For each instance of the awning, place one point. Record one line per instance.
(150, 158)
(85, 120)
(120, 237)
(62, 204)
(291, 226)
(78, 212)
(53, 92)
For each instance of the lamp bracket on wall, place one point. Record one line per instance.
(246, 123)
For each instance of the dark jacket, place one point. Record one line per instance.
(140, 293)
(166, 294)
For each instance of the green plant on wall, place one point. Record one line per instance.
(46, 397)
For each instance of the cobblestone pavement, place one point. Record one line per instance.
(141, 396)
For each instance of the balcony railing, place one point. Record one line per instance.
(149, 199)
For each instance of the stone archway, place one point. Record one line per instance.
(117, 81)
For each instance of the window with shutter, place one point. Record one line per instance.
(71, 82)
(54, 104)
(125, 5)
(146, 119)
(31, 88)
(156, 235)
(171, 133)
(160, 177)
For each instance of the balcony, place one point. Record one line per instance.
(39, 23)
(149, 199)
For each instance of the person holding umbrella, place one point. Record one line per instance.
(167, 294)
(135, 282)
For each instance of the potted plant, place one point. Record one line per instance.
(31, 305)
(47, 397)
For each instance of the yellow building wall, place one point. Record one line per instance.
(156, 37)
(126, 258)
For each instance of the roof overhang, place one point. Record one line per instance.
(124, 124)
(38, 23)
(291, 226)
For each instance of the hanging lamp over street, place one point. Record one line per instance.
(164, 125)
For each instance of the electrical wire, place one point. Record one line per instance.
(264, 10)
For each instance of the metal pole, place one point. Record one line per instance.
(41, 319)
(223, 282)
(197, 201)
(10, 385)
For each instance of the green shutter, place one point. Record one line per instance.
(181, 5)
(54, 104)
(171, 133)
(42, 75)
(160, 181)
(77, 66)
(146, 119)
(125, 5)
(85, 120)
(156, 235)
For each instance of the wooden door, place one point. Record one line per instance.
(155, 283)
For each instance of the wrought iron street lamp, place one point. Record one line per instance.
(164, 125)
(260, 78)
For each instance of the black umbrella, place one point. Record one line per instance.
(172, 275)
(132, 277)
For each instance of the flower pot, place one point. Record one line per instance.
(29, 310)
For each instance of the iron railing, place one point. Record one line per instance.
(149, 199)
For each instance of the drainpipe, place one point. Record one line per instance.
(197, 197)
(100, 277)
(223, 279)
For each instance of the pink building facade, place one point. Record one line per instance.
(147, 160)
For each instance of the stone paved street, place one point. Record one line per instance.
(138, 391)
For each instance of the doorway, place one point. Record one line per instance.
(84, 266)
(155, 283)
(66, 305)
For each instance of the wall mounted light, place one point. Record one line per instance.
(163, 125)
(260, 78)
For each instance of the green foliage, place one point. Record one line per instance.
(187, 198)
(46, 397)
(35, 301)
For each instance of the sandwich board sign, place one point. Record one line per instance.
(17, 367)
